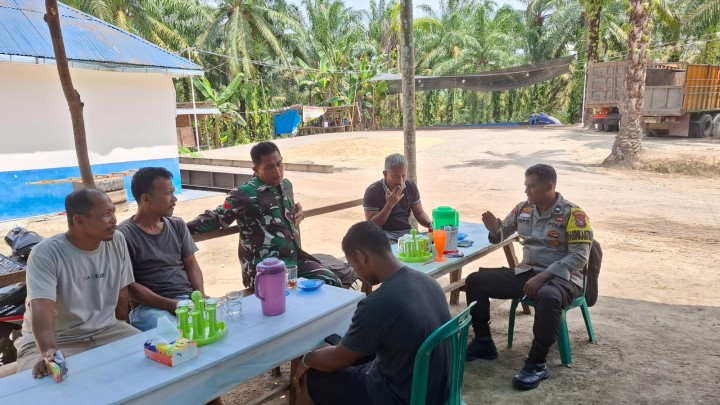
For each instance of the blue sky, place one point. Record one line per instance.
(365, 4)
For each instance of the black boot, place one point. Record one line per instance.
(481, 348)
(531, 375)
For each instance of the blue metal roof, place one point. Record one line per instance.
(89, 41)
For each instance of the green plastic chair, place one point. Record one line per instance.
(456, 330)
(564, 338)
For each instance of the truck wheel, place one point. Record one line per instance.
(705, 126)
(716, 126)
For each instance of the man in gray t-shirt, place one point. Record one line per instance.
(161, 250)
(77, 286)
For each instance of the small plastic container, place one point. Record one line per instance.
(447, 219)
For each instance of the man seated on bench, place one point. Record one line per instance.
(77, 281)
(389, 201)
(390, 325)
(161, 249)
(268, 218)
(556, 238)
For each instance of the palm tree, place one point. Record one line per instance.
(332, 26)
(407, 60)
(593, 12)
(222, 100)
(383, 21)
(705, 15)
(628, 142)
(444, 35)
(243, 29)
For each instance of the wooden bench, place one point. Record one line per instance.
(321, 130)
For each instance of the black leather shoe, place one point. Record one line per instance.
(531, 375)
(483, 348)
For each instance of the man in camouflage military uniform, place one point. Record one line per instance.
(268, 219)
(556, 238)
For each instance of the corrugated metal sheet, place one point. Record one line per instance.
(87, 39)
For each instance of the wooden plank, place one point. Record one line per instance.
(12, 278)
(79, 180)
(513, 262)
(510, 254)
(334, 207)
(308, 213)
(454, 286)
(456, 277)
(246, 164)
(292, 398)
(282, 388)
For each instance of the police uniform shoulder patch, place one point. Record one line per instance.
(578, 227)
(516, 210)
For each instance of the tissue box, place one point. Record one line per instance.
(56, 369)
(171, 354)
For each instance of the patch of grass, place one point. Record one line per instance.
(189, 152)
(700, 167)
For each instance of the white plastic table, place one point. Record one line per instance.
(120, 373)
(481, 247)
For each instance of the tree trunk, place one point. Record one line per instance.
(407, 58)
(594, 10)
(52, 18)
(628, 143)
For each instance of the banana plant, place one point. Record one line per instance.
(223, 100)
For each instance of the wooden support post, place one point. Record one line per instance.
(292, 397)
(455, 276)
(366, 288)
(513, 262)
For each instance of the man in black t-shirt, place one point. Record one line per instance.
(390, 325)
(388, 202)
(161, 250)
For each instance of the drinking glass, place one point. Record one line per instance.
(232, 304)
(440, 237)
(291, 276)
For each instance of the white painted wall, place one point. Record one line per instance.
(128, 117)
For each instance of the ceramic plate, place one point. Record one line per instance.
(310, 285)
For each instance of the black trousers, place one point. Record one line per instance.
(502, 283)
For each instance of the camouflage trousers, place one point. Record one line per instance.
(316, 271)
